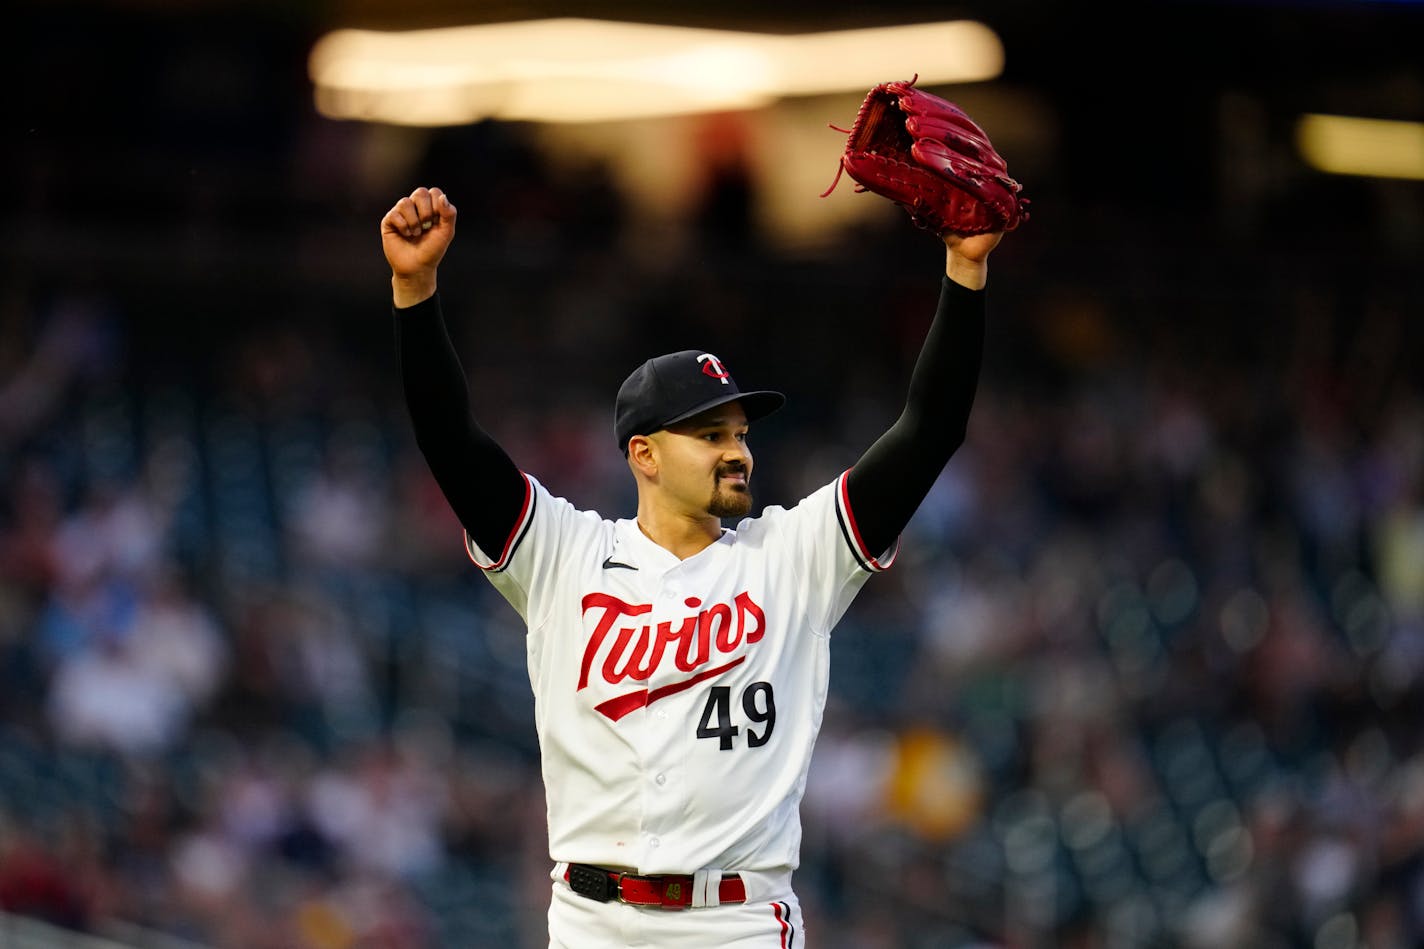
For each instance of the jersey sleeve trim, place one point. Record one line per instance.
(846, 517)
(516, 535)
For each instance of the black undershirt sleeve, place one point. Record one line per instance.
(890, 480)
(484, 487)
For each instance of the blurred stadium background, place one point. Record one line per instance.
(1149, 670)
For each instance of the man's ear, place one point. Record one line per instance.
(643, 455)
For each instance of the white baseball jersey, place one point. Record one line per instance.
(677, 701)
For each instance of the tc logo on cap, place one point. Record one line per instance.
(712, 366)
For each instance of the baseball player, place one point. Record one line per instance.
(679, 666)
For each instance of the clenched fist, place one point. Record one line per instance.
(415, 234)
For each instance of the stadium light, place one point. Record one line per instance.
(1376, 148)
(582, 70)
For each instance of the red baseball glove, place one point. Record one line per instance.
(929, 157)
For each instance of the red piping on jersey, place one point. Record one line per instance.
(518, 526)
(855, 529)
(616, 708)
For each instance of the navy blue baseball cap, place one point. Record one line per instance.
(669, 389)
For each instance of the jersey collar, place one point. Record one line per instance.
(632, 546)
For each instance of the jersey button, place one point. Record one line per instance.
(661, 779)
(654, 842)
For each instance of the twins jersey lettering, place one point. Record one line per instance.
(677, 701)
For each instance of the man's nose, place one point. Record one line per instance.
(737, 454)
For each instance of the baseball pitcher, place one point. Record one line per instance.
(679, 666)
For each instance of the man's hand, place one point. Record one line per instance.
(967, 257)
(415, 235)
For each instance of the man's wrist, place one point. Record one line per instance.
(407, 291)
(973, 274)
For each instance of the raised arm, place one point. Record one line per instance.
(482, 485)
(891, 479)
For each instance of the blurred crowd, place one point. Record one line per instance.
(1148, 670)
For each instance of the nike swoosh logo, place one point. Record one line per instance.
(611, 564)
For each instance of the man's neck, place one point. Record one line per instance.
(682, 534)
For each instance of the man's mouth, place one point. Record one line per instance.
(735, 476)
